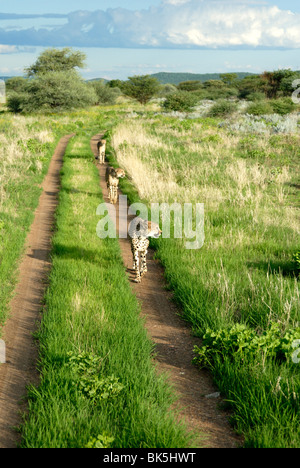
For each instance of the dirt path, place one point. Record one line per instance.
(21, 353)
(174, 345)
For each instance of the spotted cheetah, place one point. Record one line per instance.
(101, 145)
(112, 177)
(140, 231)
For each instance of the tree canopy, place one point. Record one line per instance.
(55, 60)
(142, 88)
(53, 83)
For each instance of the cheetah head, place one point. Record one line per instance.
(153, 230)
(141, 228)
(120, 173)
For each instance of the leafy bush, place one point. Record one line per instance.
(17, 84)
(191, 85)
(53, 91)
(256, 96)
(105, 94)
(141, 88)
(180, 101)
(222, 108)
(296, 259)
(166, 89)
(260, 108)
(88, 380)
(102, 441)
(243, 341)
(17, 101)
(283, 106)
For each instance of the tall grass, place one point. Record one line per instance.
(245, 272)
(26, 147)
(97, 377)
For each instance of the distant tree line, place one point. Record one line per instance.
(53, 83)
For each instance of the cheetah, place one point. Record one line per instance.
(101, 145)
(140, 231)
(112, 177)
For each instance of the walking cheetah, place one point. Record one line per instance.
(140, 231)
(112, 177)
(101, 145)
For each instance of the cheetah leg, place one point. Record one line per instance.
(135, 255)
(111, 193)
(144, 262)
(137, 278)
(115, 195)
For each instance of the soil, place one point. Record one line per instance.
(197, 404)
(25, 308)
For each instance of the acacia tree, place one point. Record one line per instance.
(141, 88)
(272, 82)
(53, 83)
(55, 60)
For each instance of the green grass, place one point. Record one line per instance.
(97, 375)
(98, 384)
(26, 148)
(245, 273)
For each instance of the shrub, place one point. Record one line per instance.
(16, 101)
(58, 91)
(166, 89)
(105, 94)
(141, 88)
(222, 108)
(242, 341)
(259, 108)
(192, 85)
(283, 106)
(180, 101)
(256, 96)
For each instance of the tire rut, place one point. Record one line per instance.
(174, 345)
(25, 308)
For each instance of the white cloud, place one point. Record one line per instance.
(7, 49)
(221, 23)
(177, 24)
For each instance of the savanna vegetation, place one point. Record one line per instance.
(232, 144)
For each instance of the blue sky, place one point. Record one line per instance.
(121, 39)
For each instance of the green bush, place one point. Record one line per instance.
(222, 108)
(191, 85)
(105, 94)
(58, 90)
(296, 259)
(166, 89)
(256, 96)
(142, 88)
(242, 341)
(260, 108)
(182, 101)
(17, 101)
(283, 106)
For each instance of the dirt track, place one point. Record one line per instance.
(174, 345)
(172, 337)
(25, 308)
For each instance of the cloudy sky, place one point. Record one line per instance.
(122, 38)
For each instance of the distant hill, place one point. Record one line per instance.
(5, 78)
(176, 78)
(97, 79)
